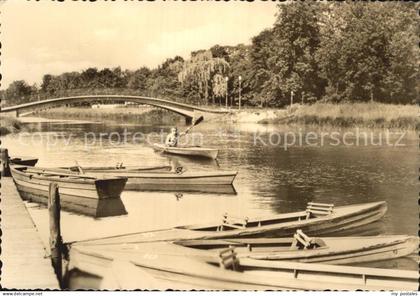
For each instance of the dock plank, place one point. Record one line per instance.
(24, 258)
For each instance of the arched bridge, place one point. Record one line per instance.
(186, 110)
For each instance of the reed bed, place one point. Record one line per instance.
(9, 125)
(126, 114)
(372, 115)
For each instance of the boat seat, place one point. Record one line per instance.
(228, 259)
(301, 240)
(233, 222)
(318, 209)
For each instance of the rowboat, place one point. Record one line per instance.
(192, 151)
(318, 219)
(119, 169)
(301, 248)
(33, 185)
(157, 180)
(164, 266)
(27, 161)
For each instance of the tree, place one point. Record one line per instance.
(138, 79)
(19, 92)
(363, 61)
(200, 70)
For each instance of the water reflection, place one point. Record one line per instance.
(208, 189)
(270, 179)
(96, 208)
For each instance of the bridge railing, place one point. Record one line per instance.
(93, 91)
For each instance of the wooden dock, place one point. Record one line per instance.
(25, 265)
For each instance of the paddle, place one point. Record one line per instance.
(198, 121)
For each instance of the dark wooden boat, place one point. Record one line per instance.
(34, 185)
(167, 266)
(27, 161)
(317, 219)
(331, 250)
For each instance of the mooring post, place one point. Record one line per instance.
(56, 242)
(5, 169)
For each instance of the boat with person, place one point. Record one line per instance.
(33, 185)
(189, 151)
(172, 146)
(164, 266)
(318, 219)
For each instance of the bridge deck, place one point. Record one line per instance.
(183, 109)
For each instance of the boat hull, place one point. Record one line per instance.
(157, 179)
(345, 217)
(160, 266)
(188, 151)
(75, 196)
(23, 161)
(334, 250)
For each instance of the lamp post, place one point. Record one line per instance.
(226, 79)
(291, 98)
(240, 99)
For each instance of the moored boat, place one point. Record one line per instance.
(146, 179)
(317, 219)
(33, 185)
(119, 168)
(331, 250)
(156, 179)
(191, 151)
(27, 161)
(164, 266)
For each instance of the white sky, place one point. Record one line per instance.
(51, 37)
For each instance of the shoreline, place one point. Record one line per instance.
(344, 115)
(10, 125)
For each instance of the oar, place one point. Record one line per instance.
(199, 119)
(79, 167)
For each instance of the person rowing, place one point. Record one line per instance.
(173, 137)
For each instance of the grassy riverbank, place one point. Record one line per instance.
(371, 115)
(127, 114)
(9, 125)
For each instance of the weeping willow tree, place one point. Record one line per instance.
(219, 86)
(200, 71)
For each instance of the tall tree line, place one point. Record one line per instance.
(338, 52)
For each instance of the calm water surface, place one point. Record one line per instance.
(271, 179)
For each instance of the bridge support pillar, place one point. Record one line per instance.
(188, 120)
(17, 113)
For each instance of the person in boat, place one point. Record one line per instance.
(173, 137)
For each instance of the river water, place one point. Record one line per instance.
(273, 177)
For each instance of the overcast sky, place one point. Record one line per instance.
(51, 37)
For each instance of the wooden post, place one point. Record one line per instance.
(56, 241)
(5, 169)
